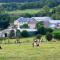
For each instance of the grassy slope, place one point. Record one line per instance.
(31, 11)
(25, 51)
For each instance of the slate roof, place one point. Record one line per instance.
(42, 18)
(22, 19)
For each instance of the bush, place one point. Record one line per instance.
(49, 30)
(49, 36)
(38, 36)
(24, 26)
(42, 30)
(25, 33)
(56, 34)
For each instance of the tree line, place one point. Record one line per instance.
(29, 5)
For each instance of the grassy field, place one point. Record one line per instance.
(30, 11)
(25, 51)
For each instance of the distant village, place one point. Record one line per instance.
(47, 21)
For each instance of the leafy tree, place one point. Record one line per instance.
(56, 13)
(24, 26)
(50, 30)
(24, 33)
(57, 9)
(39, 24)
(45, 11)
(56, 34)
(56, 16)
(38, 36)
(28, 15)
(49, 36)
(41, 30)
(4, 21)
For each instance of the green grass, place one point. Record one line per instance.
(30, 11)
(25, 51)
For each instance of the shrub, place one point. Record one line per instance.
(38, 36)
(56, 34)
(25, 33)
(49, 30)
(42, 30)
(49, 36)
(24, 26)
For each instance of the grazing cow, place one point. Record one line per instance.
(36, 42)
(0, 47)
(17, 41)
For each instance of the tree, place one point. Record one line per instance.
(49, 36)
(28, 15)
(50, 30)
(56, 34)
(24, 33)
(12, 34)
(38, 36)
(45, 11)
(39, 24)
(57, 9)
(4, 21)
(42, 30)
(24, 26)
(56, 16)
(56, 13)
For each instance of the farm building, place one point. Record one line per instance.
(6, 32)
(54, 24)
(32, 21)
(48, 23)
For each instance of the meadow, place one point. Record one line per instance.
(25, 51)
(30, 11)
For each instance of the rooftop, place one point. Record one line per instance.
(22, 19)
(42, 18)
